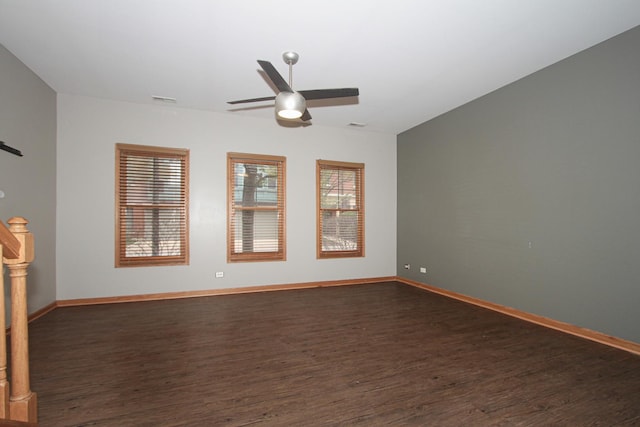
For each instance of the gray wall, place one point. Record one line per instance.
(530, 196)
(28, 123)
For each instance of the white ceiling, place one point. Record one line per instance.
(412, 59)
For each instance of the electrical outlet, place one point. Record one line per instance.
(423, 269)
(219, 274)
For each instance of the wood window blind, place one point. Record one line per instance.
(152, 206)
(256, 207)
(340, 216)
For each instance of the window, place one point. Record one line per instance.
(256, 208)
(152, 206)
(340, 194)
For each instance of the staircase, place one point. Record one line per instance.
(18, 404)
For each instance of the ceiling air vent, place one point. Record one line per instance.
(166, 99)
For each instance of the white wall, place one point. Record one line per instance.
(88, 129)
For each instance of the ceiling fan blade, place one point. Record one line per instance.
(244, 101)
(275, 77)
(329, 93)
(305, 116)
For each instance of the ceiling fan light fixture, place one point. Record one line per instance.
(290, 105)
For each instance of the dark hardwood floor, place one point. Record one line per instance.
(368, 355)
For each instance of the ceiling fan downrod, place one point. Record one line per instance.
(290, 58)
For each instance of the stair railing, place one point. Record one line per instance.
(17, 402)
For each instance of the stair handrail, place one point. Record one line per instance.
(9, 243)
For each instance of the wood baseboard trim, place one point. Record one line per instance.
(585, 333)
(213, 292)
(42, 311)
(36, 314)
(578, 331)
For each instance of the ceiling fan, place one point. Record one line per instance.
(291, 104)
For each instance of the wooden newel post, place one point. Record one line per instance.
(22, 402)
(4, 383)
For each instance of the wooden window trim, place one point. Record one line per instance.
(359, 168)
(281, 254)
(120, 259)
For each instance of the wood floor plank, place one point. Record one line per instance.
(365, 355)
